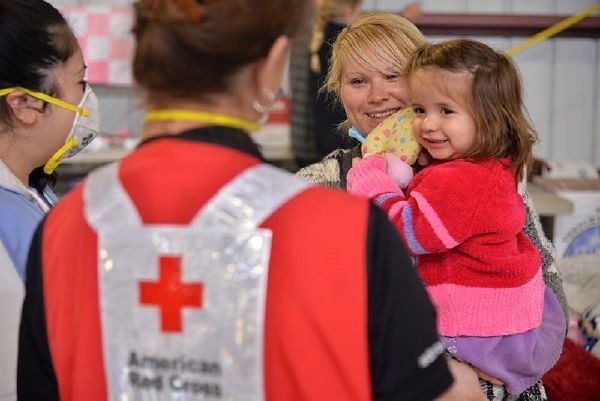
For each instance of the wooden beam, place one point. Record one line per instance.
(502, 25)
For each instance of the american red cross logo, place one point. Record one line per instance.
(170, 294)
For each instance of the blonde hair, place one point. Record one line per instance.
(373, 39)
(327, 10)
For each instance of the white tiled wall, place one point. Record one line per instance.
(561, 77)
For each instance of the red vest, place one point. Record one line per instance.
(315, 342)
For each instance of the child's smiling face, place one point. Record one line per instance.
(444, 122)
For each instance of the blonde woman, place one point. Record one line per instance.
(315, 115)
(365, 67)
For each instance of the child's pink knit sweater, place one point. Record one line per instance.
(464, 219)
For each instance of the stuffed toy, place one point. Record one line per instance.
(394, 137)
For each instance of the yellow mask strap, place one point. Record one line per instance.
(54, 160)
(47, 98)
(223, 120)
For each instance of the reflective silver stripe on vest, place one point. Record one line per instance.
(244, 202)
(250, 198)
(105, 199)
(182, 307)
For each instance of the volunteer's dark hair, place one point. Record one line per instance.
(34, 38)
(189, 49)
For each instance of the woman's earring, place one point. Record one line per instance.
(262, 108)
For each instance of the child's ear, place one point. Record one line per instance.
(25, 109)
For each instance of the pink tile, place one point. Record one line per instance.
(97, 71)
(98, 24)
(121, 48)
(83, 44)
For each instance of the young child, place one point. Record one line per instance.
(462, 215)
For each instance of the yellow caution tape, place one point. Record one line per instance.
(554, 29)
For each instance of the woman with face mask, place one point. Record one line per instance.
(47, 113)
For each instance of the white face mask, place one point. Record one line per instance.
(86, 126)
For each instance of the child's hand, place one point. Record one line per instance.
(398, 170)
(368, 178)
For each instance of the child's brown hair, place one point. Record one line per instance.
(495, 99)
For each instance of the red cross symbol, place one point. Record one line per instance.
(170, 294)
